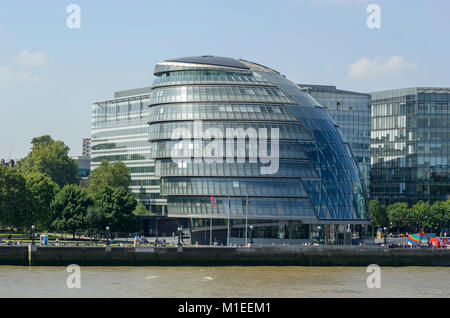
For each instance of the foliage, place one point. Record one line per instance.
(118, 205)
(42, 191)
(50, 158)
(141, 210)
(114, 174)
(69, 208)
(95, 219)
(399, 215)
(14, 199)
(378, 214)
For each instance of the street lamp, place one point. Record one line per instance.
(179, 235)
(385, 233)
(32, 234)
(318, 234)
(251, 234)
(107, 235)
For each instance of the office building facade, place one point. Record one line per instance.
(120, 132)
(410, 145)
(351, 111)
(316, 191)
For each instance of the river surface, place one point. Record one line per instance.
(22, 281)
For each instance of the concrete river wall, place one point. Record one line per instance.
(223, 256)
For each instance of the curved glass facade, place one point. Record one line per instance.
(316, 179)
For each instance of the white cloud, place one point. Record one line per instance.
(31, 59)
(380, 67)
(9, 76)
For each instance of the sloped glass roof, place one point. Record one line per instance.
(212, 60)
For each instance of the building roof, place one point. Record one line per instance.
(329, 88)
(211, 60)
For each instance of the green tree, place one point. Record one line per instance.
(114, 174)
(141, 210)
(399, 215)
(14, 199)
(422, 215)
(42, 191)
(438, 211)
(378, 214)
(50, 158)
(95, 219)
(69, 208)
(118, 205)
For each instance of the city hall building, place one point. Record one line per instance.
(351, 111)
(240, 151)
(410, 145)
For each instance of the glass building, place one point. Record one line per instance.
(410, 145)
(120, 132)
(219, 184)
(351, 111)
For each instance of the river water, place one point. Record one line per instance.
(21, 281)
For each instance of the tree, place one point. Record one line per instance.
(378, 214)
(95, 219)
(438, 211)
(118, 205)
(14, 199)
(70, 207)
(422, 215)
(42, 191)
(50, 158)
(114, 174)
(399, 215)
(141, 210)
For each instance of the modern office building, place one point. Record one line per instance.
(410, 145)
(120, 132)
(310, 189)
(351, 111)
(86, 147)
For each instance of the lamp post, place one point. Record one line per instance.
(32, 234)
(251, 234)
(107, 235)
(318, 234)
(385, 233)
(179, 235)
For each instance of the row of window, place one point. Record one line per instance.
(220, 111)
(172, 149)
(168, 129)
(240, 206)
(218, 93)
(231, 186)
(294, 169)
(198, 77)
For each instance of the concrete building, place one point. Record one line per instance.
(410, 145)
(351, 111)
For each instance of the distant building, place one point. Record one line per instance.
(84, 169)
(10, 163)
(86, 147)
(351, 111)
(120, 132)
(410, 145)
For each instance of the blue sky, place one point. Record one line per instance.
(50, 74)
